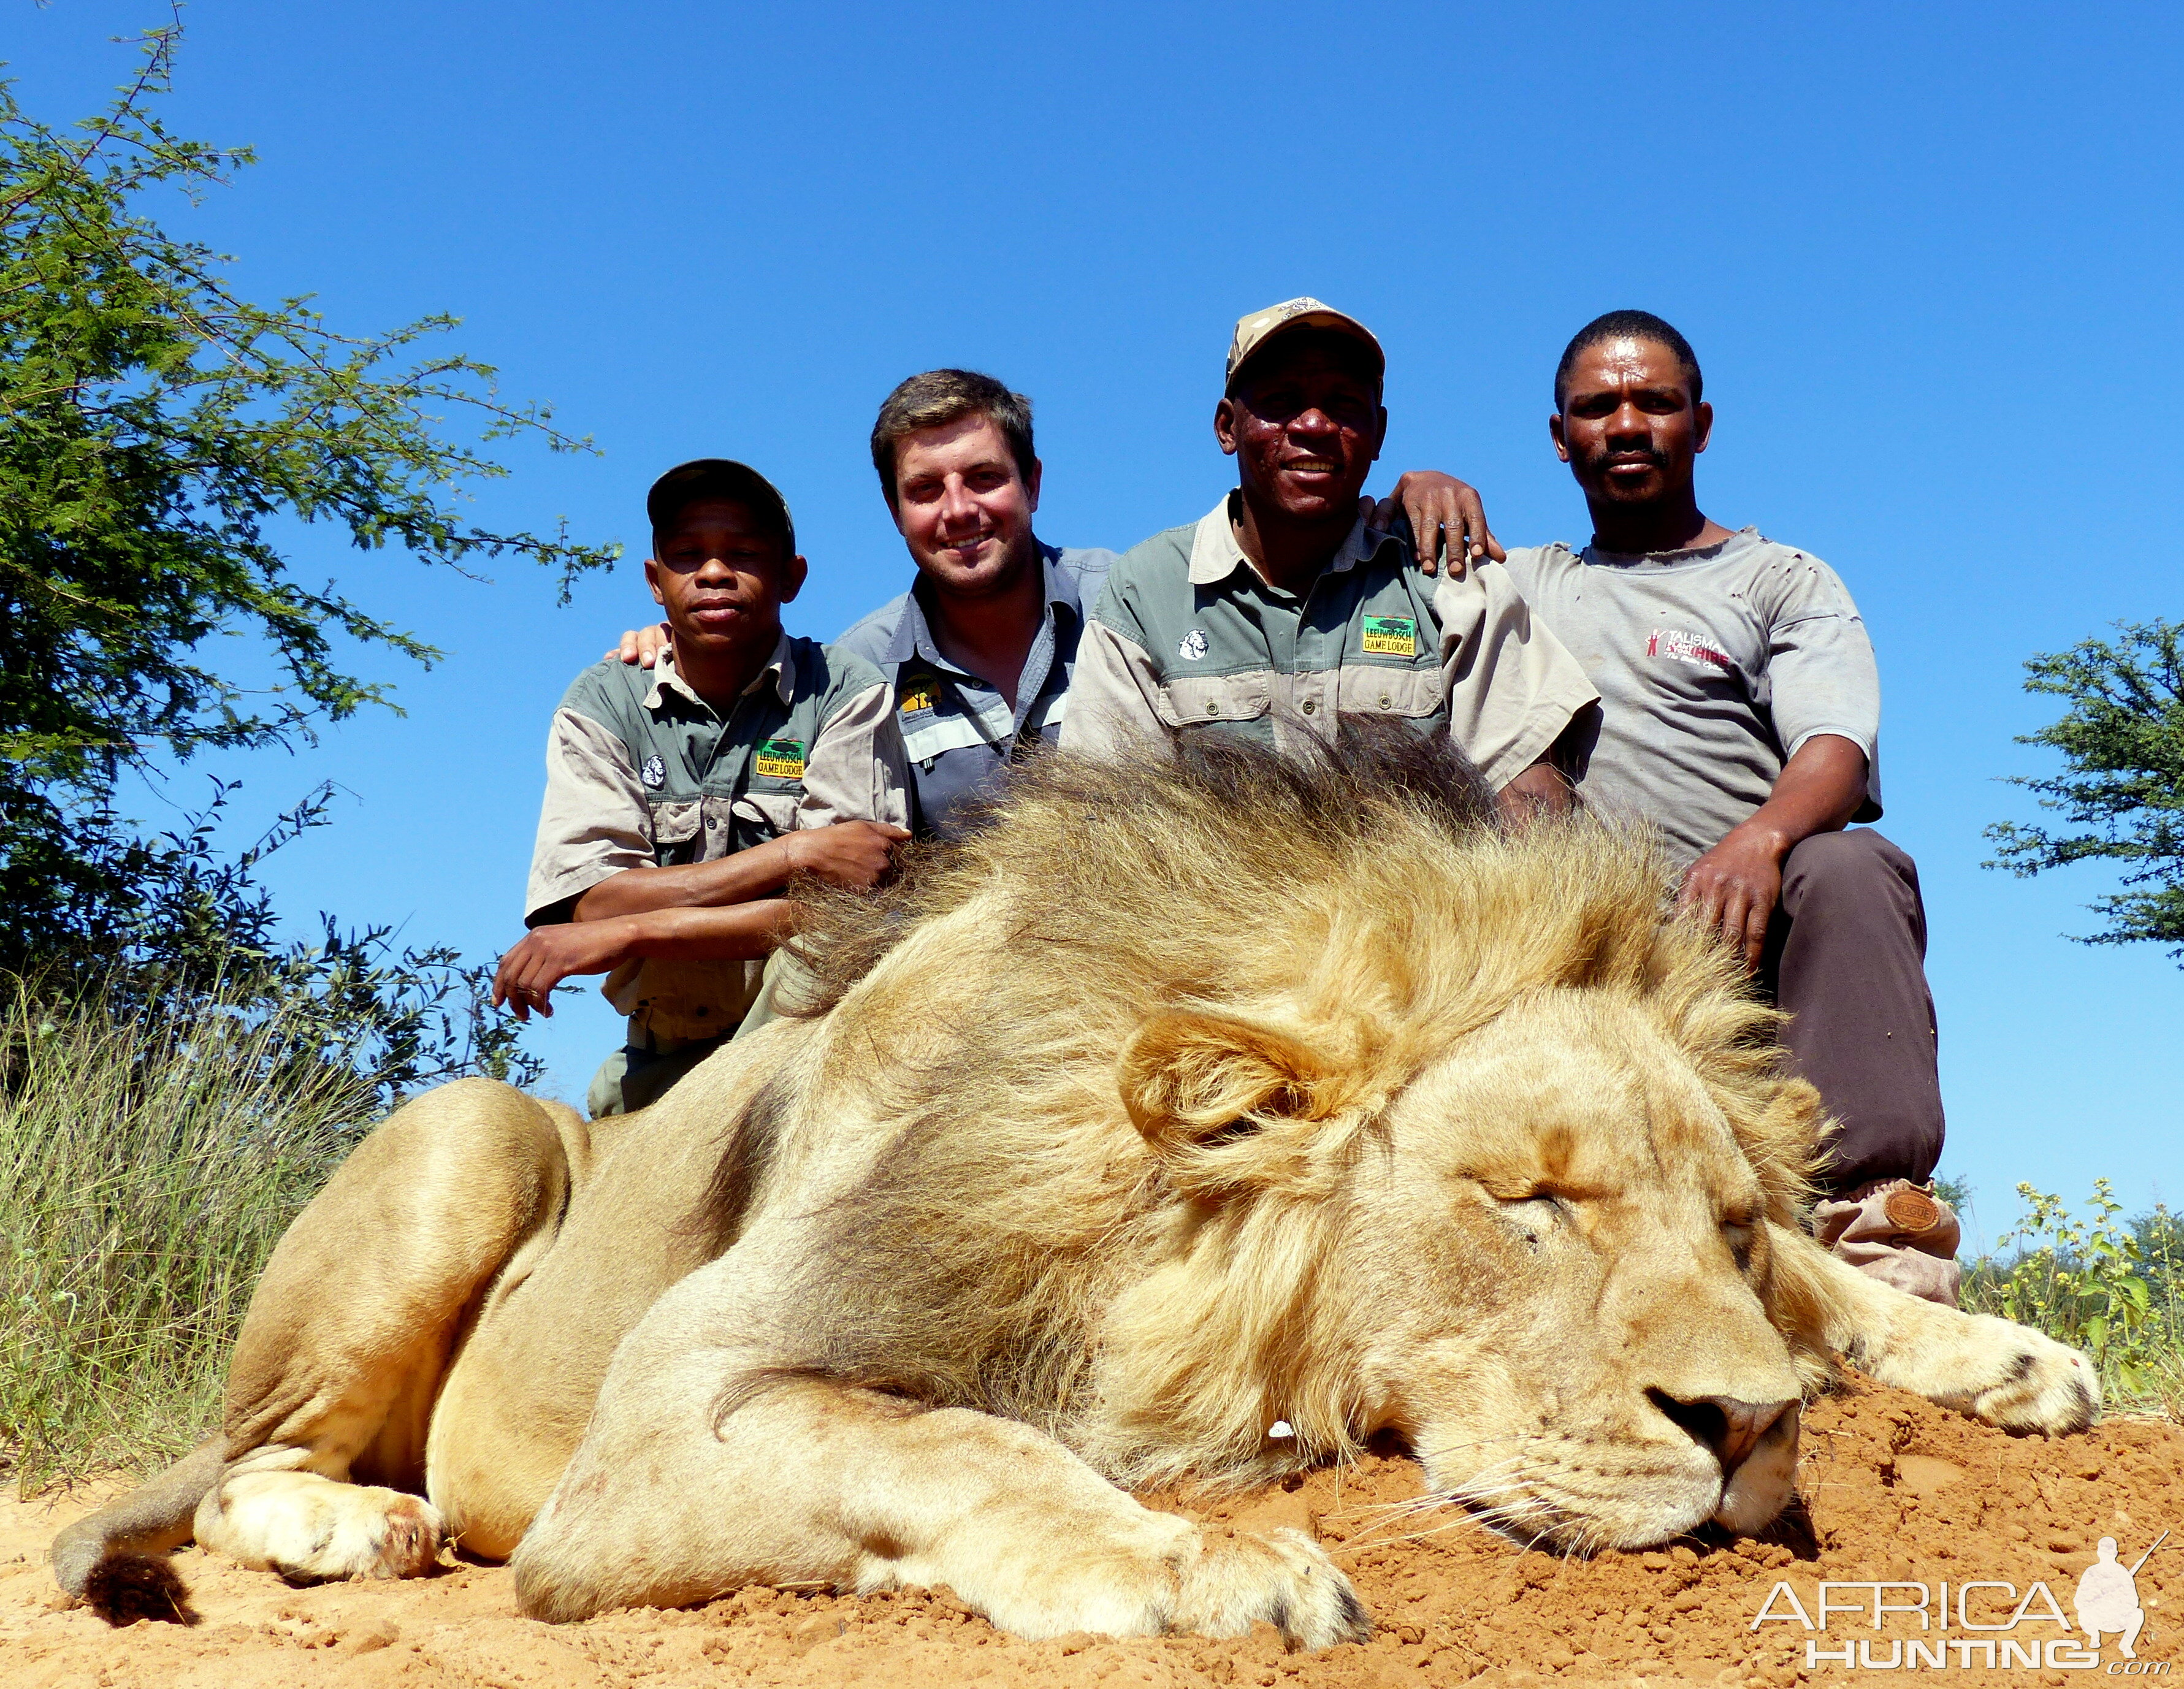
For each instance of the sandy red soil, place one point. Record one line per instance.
(1891, 1489)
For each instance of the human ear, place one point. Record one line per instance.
(1031, 485)
(1555, 433)
(1225, 425)
(792, 578)
(1701, 425)
(652, 580)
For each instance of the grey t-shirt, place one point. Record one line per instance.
(1712, 665)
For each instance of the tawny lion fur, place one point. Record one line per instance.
(1190, 1094)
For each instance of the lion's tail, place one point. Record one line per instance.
(116, 1558)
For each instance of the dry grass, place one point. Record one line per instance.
(148, 1163)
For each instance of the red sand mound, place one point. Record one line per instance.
(1891, 1488)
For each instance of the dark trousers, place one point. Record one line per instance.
(1847, 958)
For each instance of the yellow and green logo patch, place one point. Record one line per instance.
(1392, 636)
(922, 693)
(780, 760)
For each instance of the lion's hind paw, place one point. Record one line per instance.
(1240, 1577)
(312, 1530)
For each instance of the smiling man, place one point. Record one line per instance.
(681, 801)
(1284, 609)
(981, 651)
(1741, 715)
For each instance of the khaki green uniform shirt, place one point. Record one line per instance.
(1187, 635)
(641, 772)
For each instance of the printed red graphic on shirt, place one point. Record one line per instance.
(1686, 648)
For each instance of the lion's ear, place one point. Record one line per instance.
(1231, 1103)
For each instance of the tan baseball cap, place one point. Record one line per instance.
(1255, 331)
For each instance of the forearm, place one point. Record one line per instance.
(1818, 791)
(725, 882)
(739, 932)
(1541, 790)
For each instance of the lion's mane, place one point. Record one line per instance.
(1102, 1220)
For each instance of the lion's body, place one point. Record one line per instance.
(1183, 1100)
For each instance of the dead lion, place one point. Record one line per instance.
(1190, 1096)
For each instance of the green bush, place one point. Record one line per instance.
(2107, 1287)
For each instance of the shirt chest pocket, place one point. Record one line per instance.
(1192, 700)
(678, 826)
(1411, 693)
(764, 814)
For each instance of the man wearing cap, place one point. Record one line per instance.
(1282, 609)
(680, 802)
(982, 649)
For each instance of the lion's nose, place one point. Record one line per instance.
(1730, 1427)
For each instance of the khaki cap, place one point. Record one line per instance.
(1255, 331)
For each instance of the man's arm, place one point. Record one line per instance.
(1823, 690)
(548, 954)
(1111, 695)
(1734, 888)
(1512, 688)
(598, 900)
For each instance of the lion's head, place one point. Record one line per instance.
(1238, 1091)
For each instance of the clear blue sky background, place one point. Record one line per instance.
(1930, 257)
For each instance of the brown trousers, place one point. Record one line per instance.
(1847, 958)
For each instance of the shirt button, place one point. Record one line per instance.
(1309, 706)
(1384, 701)
(1212, 708)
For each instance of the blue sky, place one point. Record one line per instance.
(1928, 256)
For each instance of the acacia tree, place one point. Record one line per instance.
(2122, 787)
(157, 434)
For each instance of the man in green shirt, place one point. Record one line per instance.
(1282, 611)
(681, 800)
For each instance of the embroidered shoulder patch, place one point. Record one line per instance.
(920, 694)
(653, 773)
(780, 760)
(1192, 646)
(1392, 636)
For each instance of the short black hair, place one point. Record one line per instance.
(939, 397)
(1629, 326)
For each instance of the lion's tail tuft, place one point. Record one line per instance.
(115, 1559)
(123, 1588)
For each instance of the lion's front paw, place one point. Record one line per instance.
(2043, 1385)
(1240, 1577)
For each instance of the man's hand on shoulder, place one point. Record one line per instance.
(856, 854)
(548, 954)
(640, 647)
(1734, 888)
(1447, 517)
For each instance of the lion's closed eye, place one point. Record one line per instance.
(1535, 1218)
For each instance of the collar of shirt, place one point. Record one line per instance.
(1215, 555)
(913, 634)
(779, 666)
